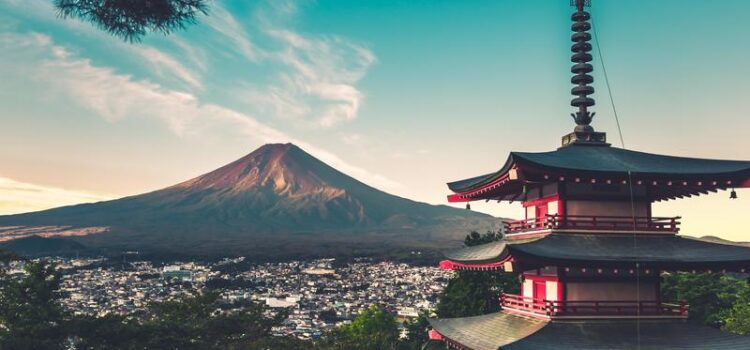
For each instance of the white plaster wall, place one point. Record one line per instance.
(528, 288)
(551, 290)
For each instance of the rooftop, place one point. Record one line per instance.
(603, 162)
(602, 249)
(510, 332)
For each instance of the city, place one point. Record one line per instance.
(317, 294)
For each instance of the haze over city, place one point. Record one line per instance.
(402, 97)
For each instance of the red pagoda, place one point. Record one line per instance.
(589, 253)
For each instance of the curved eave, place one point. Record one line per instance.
(608, 163)
(478, 254)
(510, 332)
(486, 332)
(481, 181)
(618, 160)
(488, 256)
(666, 252)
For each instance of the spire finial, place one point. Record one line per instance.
(581, 68)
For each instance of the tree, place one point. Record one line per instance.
(472, 293)
(373, 329)
(737, 319)
(30, 317)
(133, 19)
(708, 295)
(416, 336)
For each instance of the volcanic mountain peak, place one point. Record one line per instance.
(283, 168)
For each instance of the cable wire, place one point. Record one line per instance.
(630, 186)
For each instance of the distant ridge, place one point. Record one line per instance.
(277, 197)
(715, 239)
(39, 246)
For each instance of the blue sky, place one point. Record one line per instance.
(403, 95)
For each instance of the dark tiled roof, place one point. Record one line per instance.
(487, 332)
(612, 159)
(610, 248)
(509, 332)
(625, 335)
(606, 159)
(625, 248)
(479, 253)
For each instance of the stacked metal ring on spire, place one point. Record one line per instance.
(581, 66)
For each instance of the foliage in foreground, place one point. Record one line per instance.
(716, 300)
(376, 329)
(132, 19)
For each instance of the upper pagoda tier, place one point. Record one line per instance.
(658, 177)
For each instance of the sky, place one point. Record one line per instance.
(402, 95)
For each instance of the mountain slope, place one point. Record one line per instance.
(40, 246)
(276, 191)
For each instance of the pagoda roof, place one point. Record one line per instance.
(509, 332)
(569, 249)
(604, 160)
(487, 332)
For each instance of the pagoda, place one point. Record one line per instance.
(589, 253)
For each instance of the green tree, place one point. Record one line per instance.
(416, 336)
(472, 293)
(30, 316)
(133, 19)
(373, 329)
(737, 319)
(199, 323)
(108, 332)
(709, 295)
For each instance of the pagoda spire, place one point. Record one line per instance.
(581, 58)
(581, 67)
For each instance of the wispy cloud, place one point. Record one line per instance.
(323, 76)
(224, 23)
(318, 75)
(20, 197)
(115, 97)
(163, 63)
(192, 52)
(351, 138)
(313, 79)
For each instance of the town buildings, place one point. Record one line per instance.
(317, 295)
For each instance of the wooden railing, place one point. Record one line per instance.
(552, 308)
(517, 302)
(593, 222)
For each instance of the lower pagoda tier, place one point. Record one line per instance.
(567, 276)
(505, 331)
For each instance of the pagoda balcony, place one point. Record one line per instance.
(558, 309)
(594, 223)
